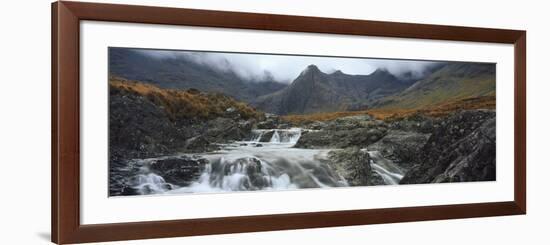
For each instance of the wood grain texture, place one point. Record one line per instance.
(520, 148)
(54, 139)
(273, 22)
(66, 17)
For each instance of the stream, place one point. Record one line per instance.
(268, 165)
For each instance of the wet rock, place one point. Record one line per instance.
(359, 137)
(180, 171)
(401, 146)
(266, 136)
(376, 179)
(271, 121)
(223, 130)
(354, 166)
(349, 123)
(284, 126)
(415, 123)
(250, 167)
(197, 144)
(141, 127)
(129, 191)
(316, 125)
(461, 148)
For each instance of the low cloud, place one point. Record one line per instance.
(285, 68)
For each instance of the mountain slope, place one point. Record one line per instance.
(314, 91)
(453, 82)
(182, 73)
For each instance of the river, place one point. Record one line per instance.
(269, 165)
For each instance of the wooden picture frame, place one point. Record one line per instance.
(66, 226)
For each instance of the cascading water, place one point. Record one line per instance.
(289, 136)
(275, 138)
(150, 183)
(263, 163)
(386, 168)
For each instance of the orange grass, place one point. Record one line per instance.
(323, 116)
(485, 102)
(181, 103)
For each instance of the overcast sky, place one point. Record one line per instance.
(287, 67)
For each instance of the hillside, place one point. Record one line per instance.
(453, 82)
(189, 104)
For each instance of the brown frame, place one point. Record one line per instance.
(65, 181)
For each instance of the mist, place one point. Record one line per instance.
(285, 68)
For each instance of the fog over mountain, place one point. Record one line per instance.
(285, 68)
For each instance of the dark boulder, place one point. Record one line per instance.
(224, 130)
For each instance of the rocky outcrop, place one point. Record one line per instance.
(154, 175)
(353, 165)
(358, 131)
(415, 123)
(339, 138)
(272, 121)
(223, 130)
(455, 148)
(138, 128)
(145, 125)
(401, 146)
(461, 148)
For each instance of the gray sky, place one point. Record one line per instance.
(288, 67)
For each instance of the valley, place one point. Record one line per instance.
(177, 127)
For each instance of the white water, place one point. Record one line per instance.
(273, 165)
(386, 168)
(290, 136)
(150, 183)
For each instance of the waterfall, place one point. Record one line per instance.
(276, 136)
(239, 172)
(150, 183)
(387, 169)
(257, 135)
(275, 166)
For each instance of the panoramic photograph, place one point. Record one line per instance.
(184, 122)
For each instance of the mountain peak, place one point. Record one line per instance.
(380, 71)
(312, 66)
(310, 69)
(337, 72)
